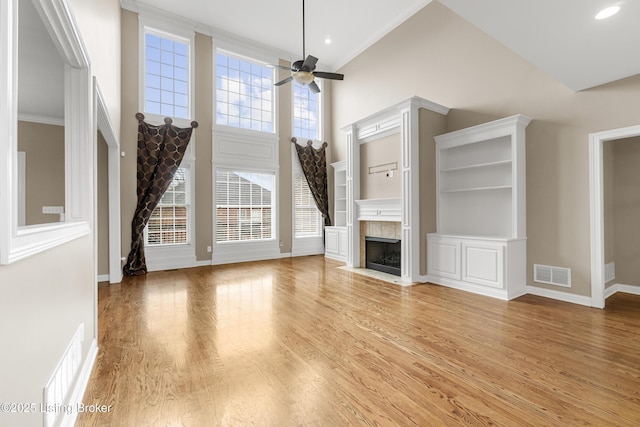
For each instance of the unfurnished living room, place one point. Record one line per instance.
(319, 213)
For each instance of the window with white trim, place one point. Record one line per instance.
(166, 74)
(169, 222)
(244, 93)
(306, 112)
(245, 206)
(306, 217)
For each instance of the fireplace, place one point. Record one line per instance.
(383, 254)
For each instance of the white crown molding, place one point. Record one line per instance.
(44, 120)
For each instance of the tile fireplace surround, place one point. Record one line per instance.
(385, 229)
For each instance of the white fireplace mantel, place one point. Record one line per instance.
(404, 119)
(379, 210)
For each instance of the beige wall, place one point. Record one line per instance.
(431, 124)
(623, 226)
(99, 22)
(378, 185)
(44, 298)
(203, 89)
(103, 204)
(459, 66)
(44, 153)
(129, 125)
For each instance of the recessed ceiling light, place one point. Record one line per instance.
(608, 12)
(327, 40)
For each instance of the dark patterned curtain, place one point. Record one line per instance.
(314, 167)
(160, 152)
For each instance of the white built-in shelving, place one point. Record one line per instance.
(336, 243)
(480, 244)
(340, 193)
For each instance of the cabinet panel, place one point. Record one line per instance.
(444, 258)
(483, 264)
(343, 242)
(331, 241)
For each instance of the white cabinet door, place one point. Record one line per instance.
(343, 243)
(483, 264)
(443, 258)
(332, 241)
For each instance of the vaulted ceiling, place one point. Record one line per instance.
(560, 37)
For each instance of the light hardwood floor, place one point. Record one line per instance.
(299, 342)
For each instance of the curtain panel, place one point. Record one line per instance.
(314, 166)
(160, 152)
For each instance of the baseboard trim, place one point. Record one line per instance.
(560, 296)
(103, 278)
(619, 287)
(469, 287)
(77, 394)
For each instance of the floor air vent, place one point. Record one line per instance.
(559, 276)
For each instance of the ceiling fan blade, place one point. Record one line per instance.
(281, 82)
(331, 76)
(309, 63)
(280, 66)
(314, 87)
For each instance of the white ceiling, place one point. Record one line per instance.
(352, 25)
(562, 37)
(559, 36)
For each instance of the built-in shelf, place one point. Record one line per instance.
(476, 166)
(460, 190)
(480, 245)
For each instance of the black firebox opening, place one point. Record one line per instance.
(383, 254)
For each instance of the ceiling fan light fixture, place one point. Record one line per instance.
(303, 77)
(607, 13)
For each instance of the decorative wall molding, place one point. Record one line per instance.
(77, 393)
(379, 210)
(242, 148)
(32, 118)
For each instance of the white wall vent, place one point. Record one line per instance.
(57, 388)
(559, 276)
(609, 272)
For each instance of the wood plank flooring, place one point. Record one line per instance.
(299, 342)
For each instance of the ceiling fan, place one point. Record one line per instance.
(304, 70)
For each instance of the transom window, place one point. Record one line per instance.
(307, 217)
(245, 207)
(166, 75)
(244, 93)
(306, 108)
(169, 221)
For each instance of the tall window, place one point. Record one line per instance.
(244, 93)
(245, 208)
(307, 217)
(166, 75)
(169, 221)
(306, 108)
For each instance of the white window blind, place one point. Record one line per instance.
(166, 75)
(244, 93)
(244, 206)
(306, 108)
(169, 221)
(307, 217)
